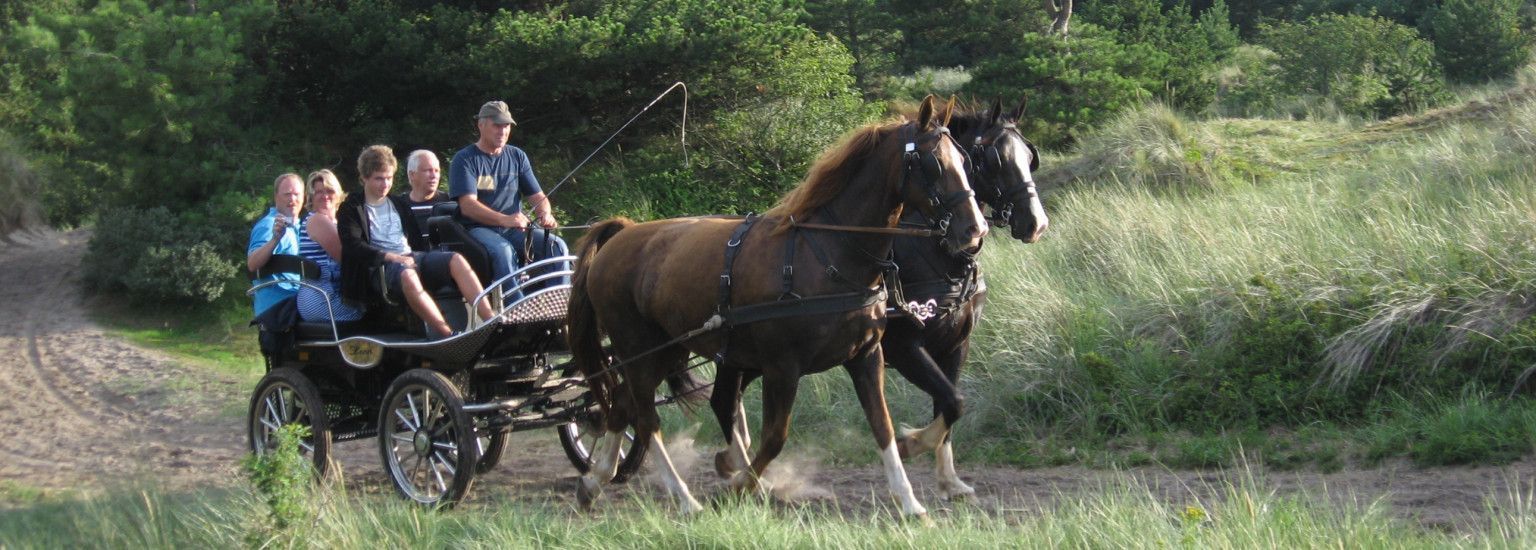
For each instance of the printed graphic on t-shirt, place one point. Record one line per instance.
(486, 182)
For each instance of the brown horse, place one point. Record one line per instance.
(814, 293)
(930, 354)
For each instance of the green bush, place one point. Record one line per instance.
(282, 479)
(137, 103)
(1369, 66)
(1073, 85)
(155, 255)
(1477, 40)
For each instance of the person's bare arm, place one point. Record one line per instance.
(471, 207)
(543, 210)
(259, 257)
(323, 231)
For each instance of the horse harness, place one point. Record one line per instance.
(987, 160)
(938, 298)
(792, 304)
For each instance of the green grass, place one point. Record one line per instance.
(1120, 515)
(216, 336)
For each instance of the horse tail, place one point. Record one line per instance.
(583, 335)
(689, 389)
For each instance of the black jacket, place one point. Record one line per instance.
(358, 253)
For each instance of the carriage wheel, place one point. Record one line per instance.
(491, 446)
(579, 436)
(426, 439)
(285, 396)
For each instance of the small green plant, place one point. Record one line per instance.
(282, 479)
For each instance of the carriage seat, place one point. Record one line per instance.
(308, 272)
(448, 234)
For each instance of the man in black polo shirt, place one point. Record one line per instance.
(424, 172)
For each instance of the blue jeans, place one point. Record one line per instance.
(505, 247)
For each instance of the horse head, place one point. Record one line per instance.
(1002, 167)
(934, 180)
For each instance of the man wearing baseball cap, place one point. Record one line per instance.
(490, 180)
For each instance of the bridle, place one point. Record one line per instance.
(938, 208)
(987, 163)
(920, 164)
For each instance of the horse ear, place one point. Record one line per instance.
(1018, 113)
(925, 113)
(994, 115)
(949, 110)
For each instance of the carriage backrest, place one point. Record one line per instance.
(288, 264)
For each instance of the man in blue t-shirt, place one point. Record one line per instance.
(276, 233)
(490, 180)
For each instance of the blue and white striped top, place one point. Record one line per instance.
(311, 302)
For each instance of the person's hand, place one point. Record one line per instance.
(546, 220)
(519, 221)
(279, 226)
(402, 259)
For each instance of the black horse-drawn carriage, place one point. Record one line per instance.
(442, 409)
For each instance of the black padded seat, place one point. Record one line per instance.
(321, 332)
(449, 234)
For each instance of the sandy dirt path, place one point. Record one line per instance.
(82, 409)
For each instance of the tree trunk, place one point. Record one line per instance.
(1060, 15)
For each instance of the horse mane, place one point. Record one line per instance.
(833, 171)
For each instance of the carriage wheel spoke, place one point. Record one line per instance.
(401, 437)
(442, 487)
(447, 464)
(410, 402)
(406, 421)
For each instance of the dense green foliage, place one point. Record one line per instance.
(1477, 40)
(1367, 65)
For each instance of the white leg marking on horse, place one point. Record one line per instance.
(605, 465)
(896, 479)
(741, 441)
(607, 450)
(669, 477)
(950, 484)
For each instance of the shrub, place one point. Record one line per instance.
(156, 256)
(1370, 66)
(282, 479)
(1477, 40)
(1073, 85)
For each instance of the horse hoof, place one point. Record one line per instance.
(961, 493)
(921, 519)
(585, 495)
(742, 482)
(723, 465)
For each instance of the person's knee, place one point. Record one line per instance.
(410, 282)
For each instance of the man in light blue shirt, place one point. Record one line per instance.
(276, 233)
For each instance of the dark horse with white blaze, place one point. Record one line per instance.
(805, 293)
(942, 285)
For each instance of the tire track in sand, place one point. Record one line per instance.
(86, 408)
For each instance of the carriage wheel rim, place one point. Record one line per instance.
(422, 448)
(280, 406)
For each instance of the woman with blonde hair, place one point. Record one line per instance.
(319, 241)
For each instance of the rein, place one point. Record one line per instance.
(862, 229)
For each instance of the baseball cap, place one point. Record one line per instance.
(497, 112)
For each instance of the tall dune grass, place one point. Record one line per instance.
(1176, 295)
(1123, 514)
